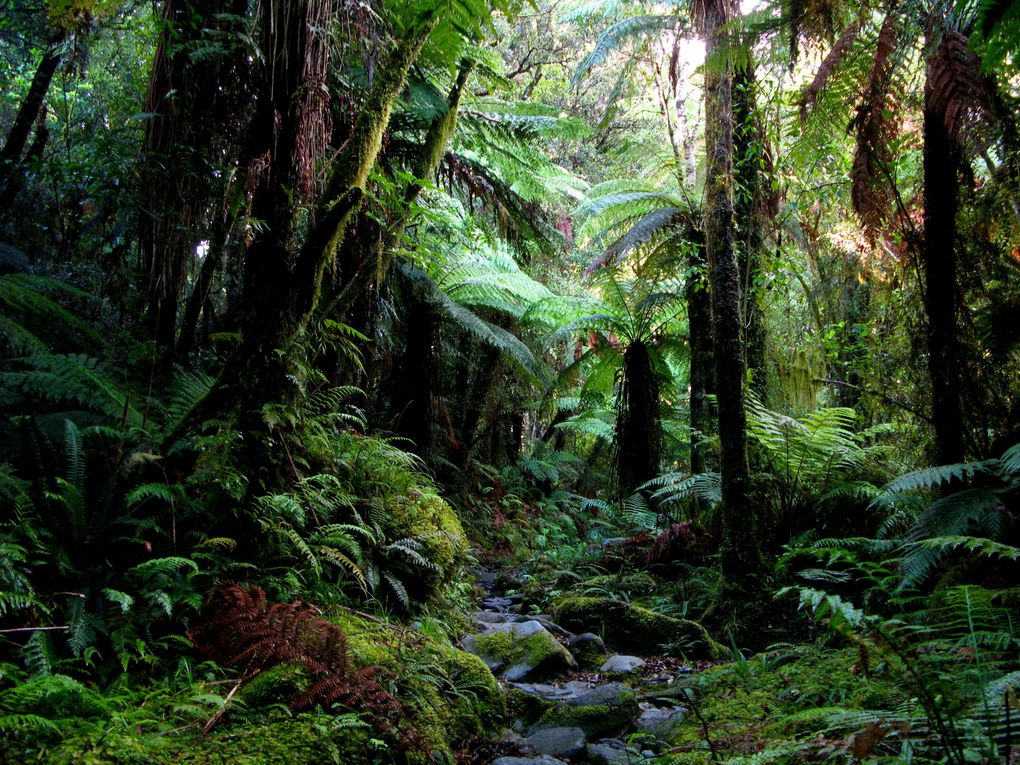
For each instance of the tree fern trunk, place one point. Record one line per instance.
(941, 185)
(739, 554)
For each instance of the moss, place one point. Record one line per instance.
(772, 705)
(430, 520)
(602, 719)
(526, 707)
(277, 685)
(508, 651)
(631, 628)
(448, 693)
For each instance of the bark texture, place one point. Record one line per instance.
(739, 554)
(941, 185)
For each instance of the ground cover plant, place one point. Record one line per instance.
(476, 381)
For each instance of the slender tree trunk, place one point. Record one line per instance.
(941, 185)
(751, 193)
(699, 323)
(203, 287)
(367, 271)
(739, 554)
(28, 114)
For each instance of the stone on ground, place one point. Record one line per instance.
(558, 742)
(517, 650)
(622, 665)
(605, 710)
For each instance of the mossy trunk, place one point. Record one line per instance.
(283, 280)
(702, 366)
(739, 554)
(366, 271)
(752, 203)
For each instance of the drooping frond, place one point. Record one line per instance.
(955, 89)
(828, 66)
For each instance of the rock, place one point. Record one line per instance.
(540, 760)
(663, 724)
(497, 604)
(544, 690)
(629, 628)
(610, 751)
(558, 742)
(13, 260)
(622, 665)
(501, 617)
(516, 650)
(606, 709)
(588, 649)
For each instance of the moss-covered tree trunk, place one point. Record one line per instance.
(752, 203)
(370, 267)
(283, 277)
(702, 367)
(739, 554)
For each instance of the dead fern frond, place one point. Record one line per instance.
(242, 629)
(874, 125)
(955, 88)
(829, 65)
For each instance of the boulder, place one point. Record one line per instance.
(633, 629)
(611, 751)
(516, 650)
(605, 710)
(588, 649)
(663, 724)
(622, 665)
(557, 742)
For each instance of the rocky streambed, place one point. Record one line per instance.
(574, 697)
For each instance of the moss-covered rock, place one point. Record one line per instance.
(448, 693)
(428, 519)
(519, 649)
(526, 707)
(633, 629)
(602, 711)
(277, 685)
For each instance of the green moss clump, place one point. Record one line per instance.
(448, 693)
(634, 629)
(601, 719)
(509, 651)
(780, 704)
(277, 685)
(526, 707)
(429, 519)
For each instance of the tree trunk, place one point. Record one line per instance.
(699, 324)
(189, 111)
(368, 270)
(739, 554)
(283, 281)
(941, 184)
(751, 200)
(638, 421)
(28, 114)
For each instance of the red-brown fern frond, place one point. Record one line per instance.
(955, 89)
(242, 629)
(875, 125)
(829, 65)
